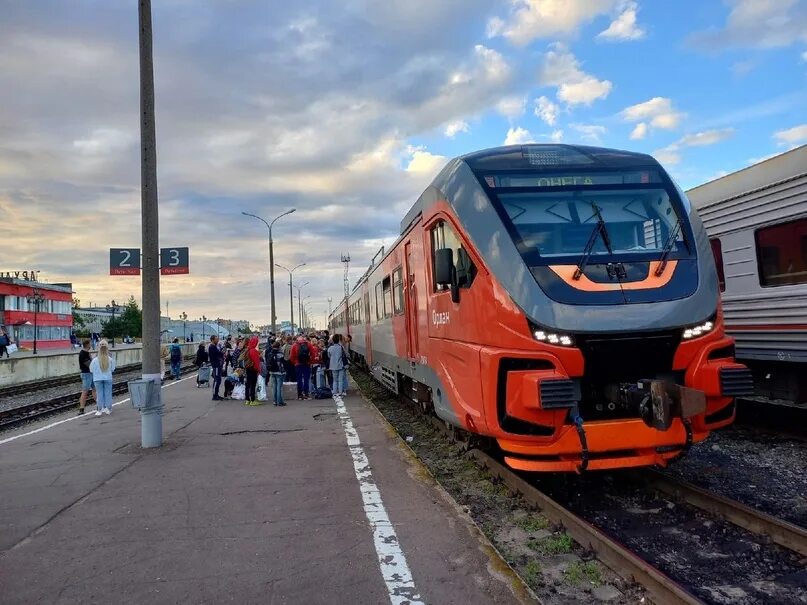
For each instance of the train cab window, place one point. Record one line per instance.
(379, 302)
(397, 291)
(387, 288)
(782, 253)
(717, 252)
(443, 236)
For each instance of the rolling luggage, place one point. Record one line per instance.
(203, 376)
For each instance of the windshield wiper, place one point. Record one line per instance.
(668, 245)
(598, 230)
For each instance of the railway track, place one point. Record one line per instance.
(25, 413)
(621, 558)
(48, 383)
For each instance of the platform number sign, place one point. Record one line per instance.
(124, 261)
(174, 261)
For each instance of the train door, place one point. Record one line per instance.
(367, 339)
(411, 305)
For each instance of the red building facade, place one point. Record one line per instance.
(53, 320)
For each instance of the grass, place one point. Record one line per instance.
(580, 571)
(553, 545)
(489, 528)
(532, 573)
(532, 523)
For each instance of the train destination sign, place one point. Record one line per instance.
(574, 180)
(174, 261)
(124, 261)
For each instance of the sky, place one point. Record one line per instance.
(346, 111)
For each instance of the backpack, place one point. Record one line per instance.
(303, 354)
(323, 357)
(322, 393)
(276, 362)
(176, 354)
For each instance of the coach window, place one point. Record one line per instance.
(717, 252)
(782, 253)
(443, 236)
(387, 296)
(397, 291)
(379, 302)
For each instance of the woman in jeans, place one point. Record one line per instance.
(252, 364)
(275, 365)
(101, 368)
(336, 364)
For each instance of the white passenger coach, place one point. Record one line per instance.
(757, 223)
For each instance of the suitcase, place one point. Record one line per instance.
(203, 376)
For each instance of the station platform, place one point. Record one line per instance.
(315, 502)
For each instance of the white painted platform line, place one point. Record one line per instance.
(72, 418)
(391, 560)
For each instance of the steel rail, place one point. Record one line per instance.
(750, 519)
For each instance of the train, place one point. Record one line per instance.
(559, 302)
(756, 219)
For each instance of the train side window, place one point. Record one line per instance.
(782, 253)
(443, 236)
(397, 291)
(387, 287)
(379, 301)
(717, 252)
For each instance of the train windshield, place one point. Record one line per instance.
(553, 218)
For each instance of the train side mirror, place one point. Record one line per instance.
(444, 267)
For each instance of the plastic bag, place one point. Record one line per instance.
(239, 392)
(12, 348)
(260, 390)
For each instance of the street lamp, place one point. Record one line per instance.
(35, 299)
(291, 294)
(203, 319)
(111, 309)
(184, 318)
(299, 306)
(271, 261)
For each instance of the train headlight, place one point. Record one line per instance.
(698, 329)
(552, 337)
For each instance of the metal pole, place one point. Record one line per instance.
(151, 417)
(272, 278)
(36, 328)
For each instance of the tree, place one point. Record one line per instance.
(78, 320)
(131, 320)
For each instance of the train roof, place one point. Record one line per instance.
(554, 156)
(782, 167)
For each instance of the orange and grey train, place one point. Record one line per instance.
(561, 300)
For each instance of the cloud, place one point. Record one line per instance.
(425, 163)
(103, 141)
(518, 136)
(561, 68)
(590, 133)
(546, 110)
(624, 27)
(804, 56)
(454, 128)
(740, 69)
(556, 136)
(532, 19)
(639, 132)
(757, 24)
(512, 107)
(672, 153)
(791, 136)
(658, 111)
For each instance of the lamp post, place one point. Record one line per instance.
(218, 326)
(299, 306)
(35, 298)
(271, 261)
(303, 314)
(111, 309)
(291, 293)
(203, 319)
(184, 318)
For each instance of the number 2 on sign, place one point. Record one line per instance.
(127, 257)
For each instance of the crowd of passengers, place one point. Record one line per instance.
(316, 362)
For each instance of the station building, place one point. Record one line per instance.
(53, 318)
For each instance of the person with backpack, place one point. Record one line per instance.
(276, 368)
(175, 352)
(252, 364)
(337, 363)
(301, 360)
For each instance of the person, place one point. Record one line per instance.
(101, 368)
(314, 361)
(323, 363)
(164, 357)
(84, 360)
(287, 346)
(252, 364)
(176, 358)
(4, 342)
(337, 365)
(201, 356)
(300, 357)
(215, 357)
(276, 368)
